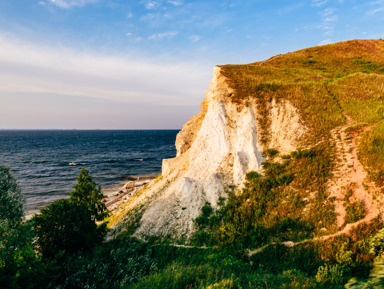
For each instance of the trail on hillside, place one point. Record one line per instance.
(348, 175)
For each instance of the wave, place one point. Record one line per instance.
(77, 164)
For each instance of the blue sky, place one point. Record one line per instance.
(113, 64)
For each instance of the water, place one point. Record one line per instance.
(47, 163)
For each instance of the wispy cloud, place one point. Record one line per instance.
(150, 5)
(159, 36)
(326, 12)
(319, 3)
(377, 7)
(325, 41)
(29, 68)
(378, 2)
(153, 19)
(175, 3)
(129, 15)
(194, 38)
(66, 4)
(375, 11)
(328, 20)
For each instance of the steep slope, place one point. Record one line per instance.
(301, 100)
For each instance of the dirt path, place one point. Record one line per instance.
(349, 175)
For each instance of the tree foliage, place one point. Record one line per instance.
(65, 226)
(19, 263)
(70, 225)
(11, 198)
(86, 192)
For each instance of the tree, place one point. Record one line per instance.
(69, 226)
(19, 264)
(65, 226)
(11, 198)
(88, 193)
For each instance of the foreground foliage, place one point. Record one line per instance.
(65, 227)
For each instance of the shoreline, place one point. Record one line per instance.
(128, 190)
(115, 195)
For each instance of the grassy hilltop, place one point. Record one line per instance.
(312, 219)
(324, 82)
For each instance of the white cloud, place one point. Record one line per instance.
(150, 5)
(319, 3)
(71, 3)
(175, 3)
(129, 15)
(194, 38)
(328, 20)
(375, 11)
(128, 34)
(379, 7)
(378, 2)
(138, 39)
(159, 36)
(326, 12)
(42, 3)
(29, 68)
(325, 41)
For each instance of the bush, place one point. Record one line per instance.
(65, 226)
(118, 264)
(271, 152)
(330, 274)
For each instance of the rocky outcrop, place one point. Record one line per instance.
(215, 149)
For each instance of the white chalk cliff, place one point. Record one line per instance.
(215, 149)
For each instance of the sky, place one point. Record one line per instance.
(145, 64)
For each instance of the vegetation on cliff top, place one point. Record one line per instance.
(326, 83)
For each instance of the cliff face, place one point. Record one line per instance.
(215, 149)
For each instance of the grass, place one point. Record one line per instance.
(286, 203)
(372, 153)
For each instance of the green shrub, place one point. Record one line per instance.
(330, 274)
(271, 152)
(115, 265)
(65, 226)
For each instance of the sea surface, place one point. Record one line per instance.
(47, 163)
